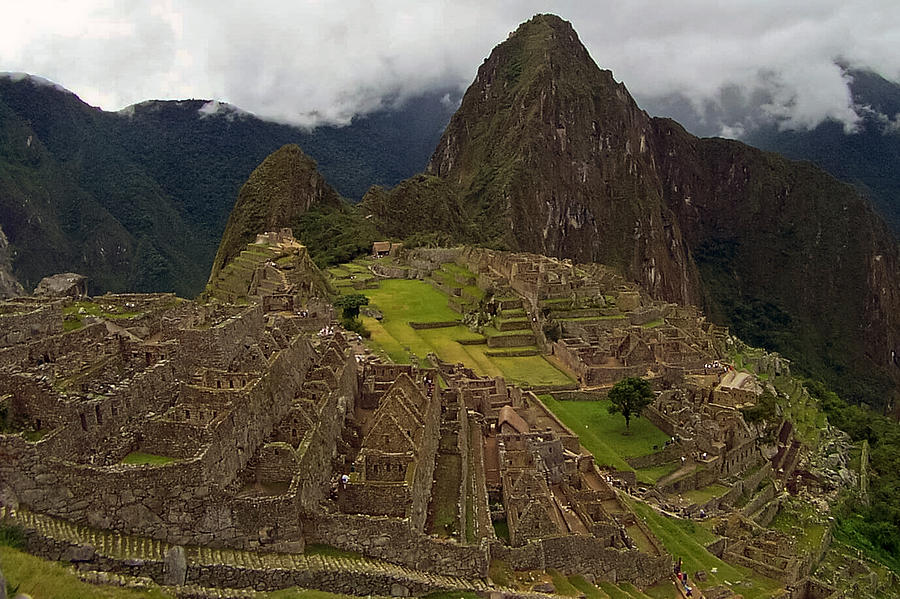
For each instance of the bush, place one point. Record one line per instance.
(763, 410)
(356, 325)
(12, 536)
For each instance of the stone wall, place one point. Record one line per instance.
(48, 349)
(574, 554)
(22, 322)
(217, 346)
(317, 449)
(667, 454)
(568, 438)
(180, 440)
(255, 573)
(179, 502)
(517, 340)
(429, 259)
(393, 540)
(427, 452)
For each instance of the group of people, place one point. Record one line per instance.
(716, 365)
(682, 577)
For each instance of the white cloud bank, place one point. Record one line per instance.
(317, 61)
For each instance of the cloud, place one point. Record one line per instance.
(727, 65)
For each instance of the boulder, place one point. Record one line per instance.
(398, 590)
(175, 567)
(67, 284)
(79, 553)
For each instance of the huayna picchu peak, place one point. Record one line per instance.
(549, 154)
(582, 353)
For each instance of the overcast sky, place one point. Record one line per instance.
(315, 61)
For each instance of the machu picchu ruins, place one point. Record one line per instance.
(234, 433)
(552, 346)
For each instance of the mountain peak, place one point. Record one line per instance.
(283, 187)
(550, 156)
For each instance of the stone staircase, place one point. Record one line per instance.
(142, 558)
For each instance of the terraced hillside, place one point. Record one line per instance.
(416, 318)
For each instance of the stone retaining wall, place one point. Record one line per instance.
(511, 340)
(574, 554)
(435, 325)
(391, 539)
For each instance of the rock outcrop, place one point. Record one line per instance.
(67, 284)
(554, 156)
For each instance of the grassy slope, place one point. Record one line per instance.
(44, 579)
(685, 540)
(50, 580)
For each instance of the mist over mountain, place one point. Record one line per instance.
(867, 157)
(137, 200)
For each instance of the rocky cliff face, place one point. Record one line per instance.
(278, 193)
(553, 155)
(549, 154)
(9, 286)
(791, 257)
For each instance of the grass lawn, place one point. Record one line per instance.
(330, 551)
(664, 590)
(562, 585)
(705, 494)
(589, 590)
(601, 432)
(136, 457)
(445, 495)
(652, 474)
(402, 301)
(416, 301)
(613, 591)
(688, 540)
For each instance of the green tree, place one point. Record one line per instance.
(629, 397)
(350, 304)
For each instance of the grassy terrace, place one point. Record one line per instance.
(705, 494)
(652, 474)
(687, 540)
(403, 301)
(601, 433)
(139, 458)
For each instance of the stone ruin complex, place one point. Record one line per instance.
(250, 426)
